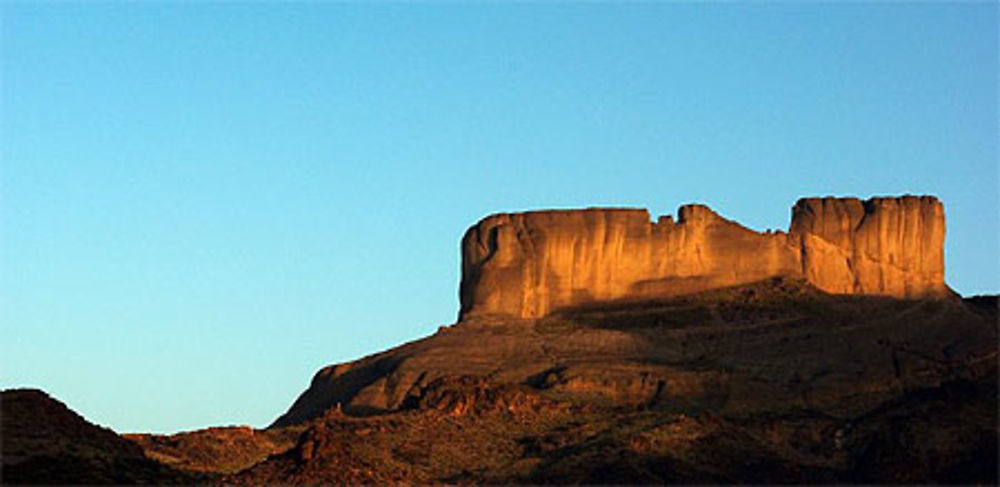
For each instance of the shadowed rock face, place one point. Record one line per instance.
(530, 264)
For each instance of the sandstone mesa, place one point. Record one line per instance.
(531, 264)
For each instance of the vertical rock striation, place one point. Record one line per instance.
(530, 264)
(885, 246)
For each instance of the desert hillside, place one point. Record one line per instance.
(772, 382)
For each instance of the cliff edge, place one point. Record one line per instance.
(531, 264)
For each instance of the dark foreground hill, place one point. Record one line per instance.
(774, 382)
(45, 442)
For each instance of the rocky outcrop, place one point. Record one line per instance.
(218, 450)
(530, 264)
(884, 246)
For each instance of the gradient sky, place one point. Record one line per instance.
(204, 204)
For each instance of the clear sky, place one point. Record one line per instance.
(201, 205)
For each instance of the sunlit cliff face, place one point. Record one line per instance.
(529, 264)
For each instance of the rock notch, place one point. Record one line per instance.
(530, 264)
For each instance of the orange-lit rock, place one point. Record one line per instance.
(529, 264)
(886, 246)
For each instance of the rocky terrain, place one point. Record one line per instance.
(755, 347)
(771, 382)
(943, 434)
(219, 450)
(735, 367)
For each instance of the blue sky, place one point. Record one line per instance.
(203, 204)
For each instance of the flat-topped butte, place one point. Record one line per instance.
(531, 264)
